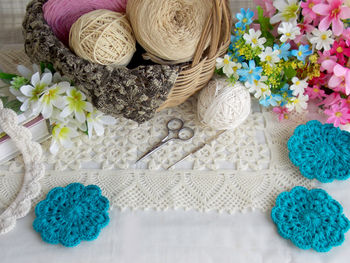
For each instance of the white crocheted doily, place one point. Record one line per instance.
(27, 187)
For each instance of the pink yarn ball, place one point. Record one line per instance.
(61, 14)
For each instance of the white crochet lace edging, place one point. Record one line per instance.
(34, 169)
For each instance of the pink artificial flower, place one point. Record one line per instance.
(305, 28)
(315, 92)
(333, 12)
(329, 65)
(282, 112)
(307, 8)
(331, 99)
(339, 114)
(340, 79)
(323, 56)
(346, 36)
(340, 49)
(267, 6)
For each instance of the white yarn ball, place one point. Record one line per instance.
(222, 105)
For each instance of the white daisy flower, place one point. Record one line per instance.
(322, 39)
(259, 88)
(227, 65)
(253, 38)
(298, 103)
(61, 136)
(53, 97)
(288, 30)
(298, 86)
(270, 56)
(287, 10)
(96, 120)
(32, 92)
(75, 103)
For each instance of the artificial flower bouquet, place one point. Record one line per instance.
(43, 91)
(290, 52)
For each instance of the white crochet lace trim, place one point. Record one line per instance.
(26, 188)
(242, 169)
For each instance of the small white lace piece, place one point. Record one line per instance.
(34, 170)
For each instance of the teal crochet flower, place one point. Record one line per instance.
(310, 219)
(71, 214)
(321, 151)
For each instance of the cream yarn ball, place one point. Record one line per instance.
(169, 29)
(104, 37)
(222, 105)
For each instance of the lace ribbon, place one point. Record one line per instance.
(28, 186)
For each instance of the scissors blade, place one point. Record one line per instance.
(153, 149)
(198, 148)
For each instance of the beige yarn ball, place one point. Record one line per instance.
(223, 106)
(104, 37)
(169, 29)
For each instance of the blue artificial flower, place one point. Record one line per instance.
(310, 219)
(273, 100)
(71, 214)
(245, 18)
(284, 51)
(302, 52)
(249, 73)
(321, 151)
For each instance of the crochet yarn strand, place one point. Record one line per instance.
(169, 30)
(104, 37)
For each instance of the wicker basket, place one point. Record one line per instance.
(134, 93)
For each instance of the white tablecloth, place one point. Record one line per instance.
(176, 236)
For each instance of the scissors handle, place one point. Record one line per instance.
(154, 148)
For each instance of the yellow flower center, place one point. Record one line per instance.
(254, 40)
(251, 71)
(316, 90)
(256, 82)
(288, 34)
(268, 58)
(335, 12)
(324, 37)
(235, 69)
(338, 114)
(339, 49)
(297, 83)
(311, 5)
(226, 61)
(245, 20)
(300, 53)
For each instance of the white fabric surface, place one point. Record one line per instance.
(176, 236)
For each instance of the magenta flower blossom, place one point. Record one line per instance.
(340, 49)
(324, 56)
(315, 92)
(307, 8)
(333, 12)
(340, 79)
(339, 114)
(331, 99)
(267, 6)
(282, 112)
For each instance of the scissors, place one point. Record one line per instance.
(176, 131)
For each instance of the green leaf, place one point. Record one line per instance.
(14, 105)
(7, 76)
(48, 65)
(4, 100)
(290, 72)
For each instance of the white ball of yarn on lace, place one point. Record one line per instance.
(222, 105)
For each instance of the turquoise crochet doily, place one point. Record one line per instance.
(71, 214)
(310, 219)
(321, 151)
